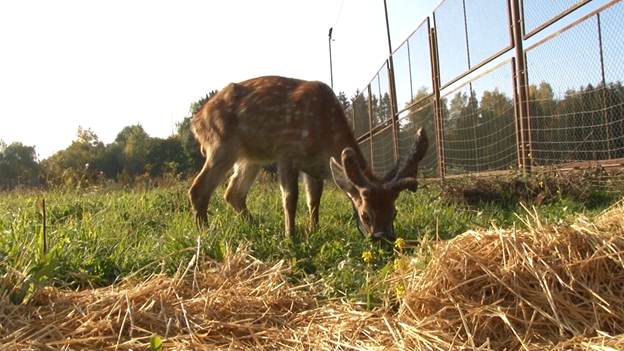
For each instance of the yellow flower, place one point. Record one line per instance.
(541, 184)
(400, 291)
(397, 263)
(399, 243)
(367, 256)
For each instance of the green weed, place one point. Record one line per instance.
(96, 236)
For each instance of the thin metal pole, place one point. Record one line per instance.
(604, 90)
(388, 28)
(521, 77)
(437, 111)
(370, 125)
(393, 100)
(466, 31)
(331, 71)
(516, 99)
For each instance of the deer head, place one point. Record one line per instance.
(300, 125)
(373, 198)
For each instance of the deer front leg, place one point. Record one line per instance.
(241, 181)
(213, 172)
(314, 189)
(288, 178)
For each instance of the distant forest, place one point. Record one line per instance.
(134, 156)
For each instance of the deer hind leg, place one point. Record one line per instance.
(218, 162)
(241, 181)
(314, 191)
(288, 179)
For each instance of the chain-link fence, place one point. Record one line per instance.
(500, 84)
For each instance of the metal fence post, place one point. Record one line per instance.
(605, 100)
(523, 102)
(393, 110)
(393, 102)
(370, 125)
(437, 110)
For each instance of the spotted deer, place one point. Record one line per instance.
(300, 125)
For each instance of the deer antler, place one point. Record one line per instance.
(354, 172)
(405, 177)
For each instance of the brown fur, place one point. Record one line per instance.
(298, 124)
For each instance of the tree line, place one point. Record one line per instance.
(479, 135)
(480, 132)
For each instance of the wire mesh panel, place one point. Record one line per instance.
(496, 123)
(365, 146)
(612, 39)
(383, 151)
(380, 98)
(539, 13)
(402, 75)
(412, 68)
(361, 114)
(479, 124)
(487, 25)
(417, 116)
(420, 62)
(469, 33)
(568, 111)
(451, 38)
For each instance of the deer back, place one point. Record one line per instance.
(276, 119)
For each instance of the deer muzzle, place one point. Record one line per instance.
(377, 236)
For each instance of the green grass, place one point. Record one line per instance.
(98, 236)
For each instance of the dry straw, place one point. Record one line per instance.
(509, 289)
(542, 288)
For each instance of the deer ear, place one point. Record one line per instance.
(340, 178)
(353, 171)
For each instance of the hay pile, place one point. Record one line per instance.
(542, 288)
(241, 303)
(531, 289)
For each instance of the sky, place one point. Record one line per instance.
(105, 65)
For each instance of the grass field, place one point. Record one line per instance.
(97, 236)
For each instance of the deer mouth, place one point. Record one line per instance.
(381, 236)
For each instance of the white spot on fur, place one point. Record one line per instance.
(304, 134)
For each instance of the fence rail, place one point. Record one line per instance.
(500, 84)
